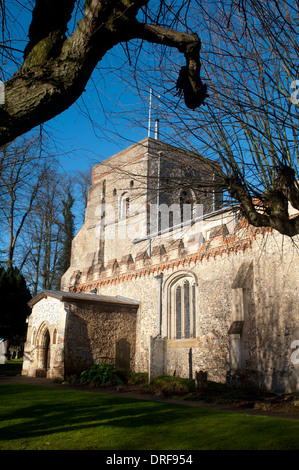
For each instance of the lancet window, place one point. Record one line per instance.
(182, 308)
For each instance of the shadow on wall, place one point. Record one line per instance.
(277, 326)
(78, 354)
(263, 328)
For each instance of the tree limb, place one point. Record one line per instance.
(189, 81)
(56, 69)
(272, 211)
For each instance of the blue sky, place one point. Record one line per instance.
(83, 143)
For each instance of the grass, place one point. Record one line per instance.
(46, 418)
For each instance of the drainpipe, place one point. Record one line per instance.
(160, 279)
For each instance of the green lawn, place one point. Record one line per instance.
(35, 418)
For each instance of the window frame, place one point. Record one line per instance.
(186, 198)
(124, 205)
(176, 311)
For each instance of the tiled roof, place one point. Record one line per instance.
(86, 297)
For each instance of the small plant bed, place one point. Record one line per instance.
(218, 393)
(106, 376)
(101, 374)
(255, 399)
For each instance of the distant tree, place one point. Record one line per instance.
(83, 182)
(49, 231)
(23, 169)
(42, 237)
(14, 309)
(67, 233)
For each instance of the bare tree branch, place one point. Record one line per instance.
(57, 68)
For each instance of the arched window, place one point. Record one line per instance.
(170, 218)
(54, 336)
(46, 350)
(181, 300)
(187, 201)
(33, 338)
(124, 205)
(178, 312)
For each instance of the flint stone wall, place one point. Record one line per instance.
(48, 314)
(92, 332)
(243, 274)
(270, 309)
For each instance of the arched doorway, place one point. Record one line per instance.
(46, 350)
(43, 351)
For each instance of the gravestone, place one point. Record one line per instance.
(41, 373)
(157, 357)
(201, 380)
(122, 354)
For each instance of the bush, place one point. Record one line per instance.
(72, 379)
(137, 378)
(101, 374)
(174, 386)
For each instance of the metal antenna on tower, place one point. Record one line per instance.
(150, 117)
(149, 113)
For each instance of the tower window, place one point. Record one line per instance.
(124, 205)
(186, 205)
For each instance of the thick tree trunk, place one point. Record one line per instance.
(56, 70)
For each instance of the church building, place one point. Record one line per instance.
(163, 279)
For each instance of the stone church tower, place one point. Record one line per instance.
(164, 279)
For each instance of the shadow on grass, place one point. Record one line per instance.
(48, 411)
(82, 420)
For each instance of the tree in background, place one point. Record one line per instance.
(23, 169)
(46, 233)
(83, 182)
(14, 309)
(67, 233)
(36, 219)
